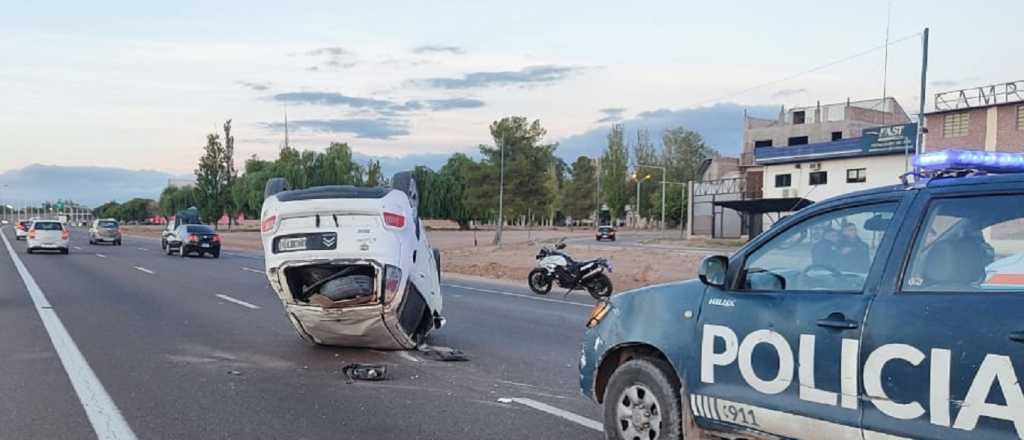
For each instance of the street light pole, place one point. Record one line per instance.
(663, 181)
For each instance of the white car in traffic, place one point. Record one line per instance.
(48, 235)
(352, 265)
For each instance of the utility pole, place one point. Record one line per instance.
(663, 180)
(501, 195)
(919, 147)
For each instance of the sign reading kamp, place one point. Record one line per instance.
(980, 96)
(889, 139)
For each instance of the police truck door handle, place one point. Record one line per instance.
(1017, 336)
(837, 320)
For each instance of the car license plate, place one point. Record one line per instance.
(291, 244)
(205, 245)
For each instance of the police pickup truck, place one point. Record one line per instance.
(890, 313)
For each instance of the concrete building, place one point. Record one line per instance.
(989, 117)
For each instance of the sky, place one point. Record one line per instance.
(138, 86)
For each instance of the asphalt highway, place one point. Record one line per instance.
(161, 347)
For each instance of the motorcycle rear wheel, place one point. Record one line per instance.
(599, 287)
(539, 281)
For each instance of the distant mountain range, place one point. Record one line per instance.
(721, 125)
(90, 186)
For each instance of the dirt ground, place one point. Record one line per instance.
(471, 253)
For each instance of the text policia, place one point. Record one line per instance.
(994, 370)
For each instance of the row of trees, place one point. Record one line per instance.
(539, 188)
(134, 210)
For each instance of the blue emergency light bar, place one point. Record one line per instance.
(986, 161)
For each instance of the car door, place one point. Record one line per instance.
(943, 349)
(779, 346)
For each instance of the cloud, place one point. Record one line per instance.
(721, 125)
(785, 93)
(331, 51)
(611, 114)
(434, 48)
(533, 75)
(377, 105)
(259, 86)
(365, 128)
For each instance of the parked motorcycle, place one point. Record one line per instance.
(555, 266)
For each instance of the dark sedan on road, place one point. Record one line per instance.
(605, 233)
(193, 239)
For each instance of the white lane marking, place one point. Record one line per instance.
(237, 301)
(143, 269)
(253, 270)
(101, 255)
(77, 248)
(103, 415)
(539, 406)
(407, 356)
(142, 249)
(535, 298)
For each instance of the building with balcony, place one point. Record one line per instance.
(989, 117)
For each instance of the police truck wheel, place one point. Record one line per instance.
(642, 401)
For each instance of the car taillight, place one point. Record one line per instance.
(193, 238)
(268, 224)
(31, 233)
(394, 220)
(392, 281)
(216, 238)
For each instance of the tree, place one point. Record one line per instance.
(456, 174)
(614, 172)
(374, 176)
(211, 181)
(174, 199)
(334, 167)
(683, 153)
(578, 192)
(644, 153)
(231, 174)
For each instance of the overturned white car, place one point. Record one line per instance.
(352, 265)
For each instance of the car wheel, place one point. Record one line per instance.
(163, 245)
(274, 186)
(29, 250)
(181, 251)
(642, 401)
(118, 242)
(216, 254)
(169, 250)
(64, 251)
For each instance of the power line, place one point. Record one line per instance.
(811, 70)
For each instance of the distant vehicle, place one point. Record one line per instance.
(48, 235)
(352, 265)
(4, 222)
(105, 231)
(21, 229)
(188, 216)
(606, 232)
(189, 239)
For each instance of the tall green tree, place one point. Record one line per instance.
(374, 176)
(455, 174)
(211, 181)
(615, 172)
(231, 174)
(578, 199)
(644, 153)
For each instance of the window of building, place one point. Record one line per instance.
(798, 140)
(799, 117)
(955, 124)
(856, 175)
(1020, 117)
(818, 178)
(837, 135)
(783, 180)
(763, 143)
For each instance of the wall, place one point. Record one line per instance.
(976, 128)
(1010, 137)
(881, 171)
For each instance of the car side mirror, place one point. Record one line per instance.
(712, 270)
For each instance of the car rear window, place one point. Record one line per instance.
(47, 226)
(198, 229)
(108, 225)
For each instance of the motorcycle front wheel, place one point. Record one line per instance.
(539, 281)
(599, 287)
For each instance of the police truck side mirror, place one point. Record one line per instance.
(712, 270)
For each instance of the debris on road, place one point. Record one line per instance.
(370, 372)
(444, 354)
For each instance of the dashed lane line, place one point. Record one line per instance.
(535, 298)
(143, 269)
(142, 249)
(237, 301)
(103, 414)
(77, 248)
(557, 412)
(101, 255)
(249, 269)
